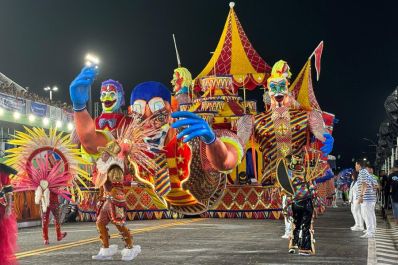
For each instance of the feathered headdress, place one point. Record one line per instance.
(65, 160)
(43, 178)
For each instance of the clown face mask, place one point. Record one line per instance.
(111, 98)
(159, 115)
(155, 108)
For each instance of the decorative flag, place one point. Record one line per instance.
(318, 55)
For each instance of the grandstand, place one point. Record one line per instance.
(20, 107)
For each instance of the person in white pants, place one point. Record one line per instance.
(367, 198)
(355, 206)
(287, 216)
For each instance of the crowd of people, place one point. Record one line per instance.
(10, 89)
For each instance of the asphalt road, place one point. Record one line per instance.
(202, 241)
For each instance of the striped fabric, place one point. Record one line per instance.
(162, 180)
(265, 132)
(364, 178)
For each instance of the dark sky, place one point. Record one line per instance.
(43, 42)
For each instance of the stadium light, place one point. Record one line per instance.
(51, 90)
(17, 115)
(32, 117)
(58, 124)
(1, 111)
(91, 59)
(70, 126)
(46, 121)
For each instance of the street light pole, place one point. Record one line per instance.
(50, 90)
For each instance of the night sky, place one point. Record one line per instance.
(43, 42)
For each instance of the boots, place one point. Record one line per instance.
(60, 235)
(126, 236)
(104, 235)
(105, 253)
(44, 225)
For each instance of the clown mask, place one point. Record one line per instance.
(278, 92)
(112, 96)
(156, 108)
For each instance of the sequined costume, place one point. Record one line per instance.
(54, 208)
(112, 203)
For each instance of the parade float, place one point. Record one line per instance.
(214, 95)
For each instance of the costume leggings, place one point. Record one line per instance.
(45, 220)
(302, 215)
(103, 219)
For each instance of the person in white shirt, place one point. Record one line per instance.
(366, 196)
(355, 206)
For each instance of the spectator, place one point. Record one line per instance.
(355, 206)
(11, 90)
(393, 183)
(366, 196)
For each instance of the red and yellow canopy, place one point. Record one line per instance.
(236, 56)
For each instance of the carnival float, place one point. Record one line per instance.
(218, 95)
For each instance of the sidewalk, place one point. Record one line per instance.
(385, 242)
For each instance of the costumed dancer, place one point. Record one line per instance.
(50, 166)
(126, 152)
(295, 177)
(101, 139)
(49, 182)
(8, 223)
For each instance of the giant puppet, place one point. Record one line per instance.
(195, 158)
(187, 176)
(285, 128)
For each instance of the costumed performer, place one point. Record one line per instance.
(8, 223)
(48, 164)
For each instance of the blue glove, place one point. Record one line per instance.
(196, 127)
(327, 144)
(80, 87)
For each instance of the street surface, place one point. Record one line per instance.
(202, 241)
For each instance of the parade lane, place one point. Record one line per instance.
(203, 241)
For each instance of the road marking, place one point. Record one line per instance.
(96, 239)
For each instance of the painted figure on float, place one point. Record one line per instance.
(285, 128)
(182, 80)
(192, 169)
(8, 223)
